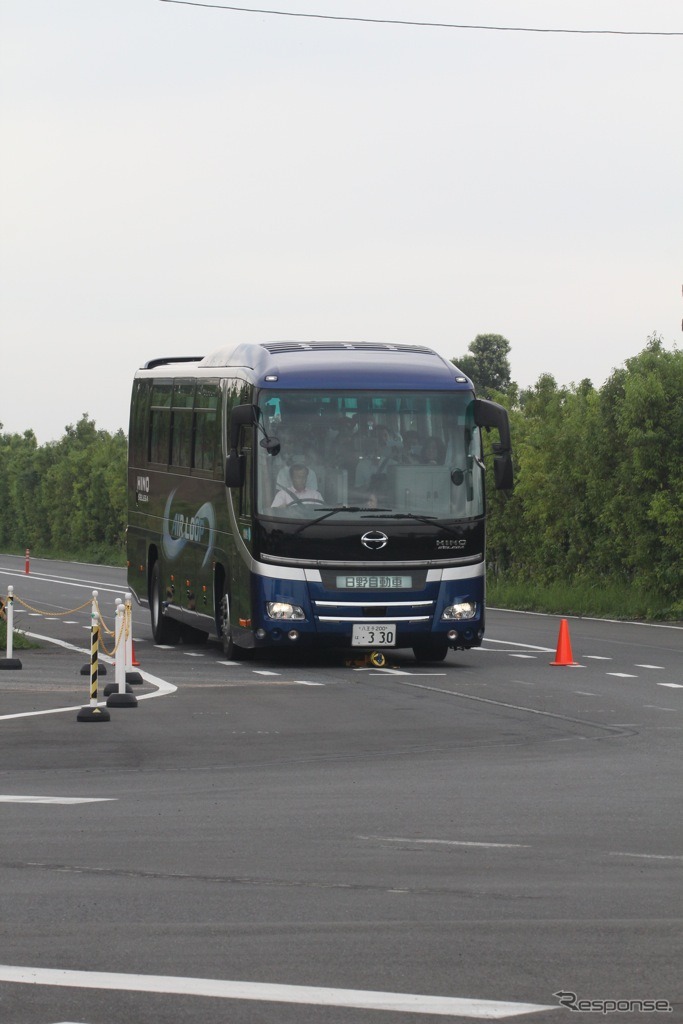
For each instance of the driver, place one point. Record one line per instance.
(298, 491)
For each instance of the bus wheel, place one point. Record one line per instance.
(164, 630)
(431, 650)
(226, 629)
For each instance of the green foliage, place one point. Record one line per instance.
(19, 641)
(67, 497)
(487, 364)
(598, 501)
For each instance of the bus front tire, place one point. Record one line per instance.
(164, 630)
(226, 629)
(430, 650)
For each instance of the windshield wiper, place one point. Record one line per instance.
(327, 512)
(429, 520)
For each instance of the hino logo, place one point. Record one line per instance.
(374, 540)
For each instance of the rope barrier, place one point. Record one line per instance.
(121, 652)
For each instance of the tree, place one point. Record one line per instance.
(487, 364)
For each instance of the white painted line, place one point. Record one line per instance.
(56, 799)
(231, 664)
(163, 688)
(622, 675)
(66, 582)
(265, 672)
(597, 657)
(660, 667)
(658, 707)
(512, 643)
(193, 654)
(396, 1002)
(584, 693)
(649, 856)
(672, 686)
(532, 656)
(304, 682)
(447, 842)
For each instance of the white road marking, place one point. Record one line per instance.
(660, 667)
(265, 672)
(304, 682)
(597, 657)
(622, 675)
(672, 686)
(56, 799)
(650, 856)
(66, 582)
(163, 689)
(395, 1002)
(532, 656)
(447, 842)
(513, 643)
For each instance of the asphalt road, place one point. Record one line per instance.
(311, 842)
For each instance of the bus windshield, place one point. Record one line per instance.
(400, 453)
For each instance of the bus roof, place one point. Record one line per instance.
(331, 364)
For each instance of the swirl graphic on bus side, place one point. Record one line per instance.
(180, 529)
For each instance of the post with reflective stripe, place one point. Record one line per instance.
(10, 661)
(121, 697)
(132, 676)
(93, 713)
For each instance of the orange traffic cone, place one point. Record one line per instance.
(135, 662)
(563, 654)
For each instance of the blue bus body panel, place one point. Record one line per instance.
(297, 366)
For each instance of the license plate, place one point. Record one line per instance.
(373, 635)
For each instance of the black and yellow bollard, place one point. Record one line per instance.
(92, 712)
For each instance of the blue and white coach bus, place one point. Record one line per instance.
(312, 495)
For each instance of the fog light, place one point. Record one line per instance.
(260, 634)
(452, 634)
(464, 610)
(284, 610)
(293, 634)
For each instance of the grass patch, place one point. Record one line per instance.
(602, 600)
(19, 641)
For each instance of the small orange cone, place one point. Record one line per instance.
(563, 654)
(135, 662)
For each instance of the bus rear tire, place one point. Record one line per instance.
(430, 650)
(164, 630)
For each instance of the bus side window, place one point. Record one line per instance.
(206, 436)
(139, 420)
(160, 424)
(181, 424)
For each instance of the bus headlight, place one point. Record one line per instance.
(284, 610)
(464, 610)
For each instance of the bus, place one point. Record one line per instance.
(312, 495)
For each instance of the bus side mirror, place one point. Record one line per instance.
(235, 464)
(241, 416)
(503, 477)
(235, 469)
(491, 414)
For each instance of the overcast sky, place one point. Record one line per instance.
(174, 178)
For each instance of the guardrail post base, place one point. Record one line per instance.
(10, 663)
